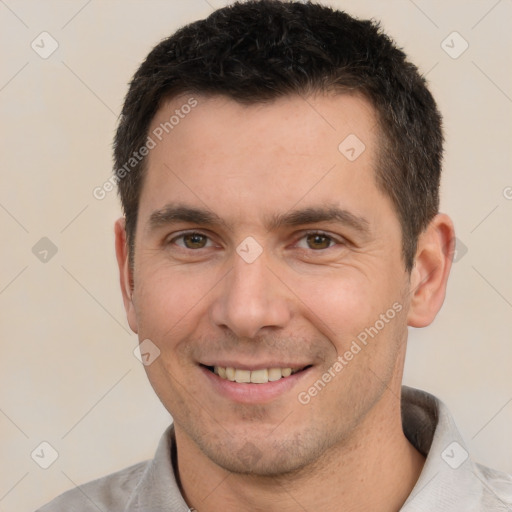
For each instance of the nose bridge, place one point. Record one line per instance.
(250, 299)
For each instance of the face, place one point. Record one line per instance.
(265, 248)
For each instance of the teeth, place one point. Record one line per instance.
(274, 374)
(255, 376)
(242, 376)
(286, 372)
(259, 376)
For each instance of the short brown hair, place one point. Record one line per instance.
(261, 50)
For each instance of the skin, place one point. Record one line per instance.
(303, 301)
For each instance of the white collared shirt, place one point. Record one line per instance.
(449, 482)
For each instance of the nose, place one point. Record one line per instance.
(251, 298)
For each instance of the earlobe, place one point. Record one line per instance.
(125, 272)
(432, 266)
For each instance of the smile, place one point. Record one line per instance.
(259, 376)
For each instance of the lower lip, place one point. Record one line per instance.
(248, 393)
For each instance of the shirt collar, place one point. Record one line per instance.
(450, 481)
(158, 490)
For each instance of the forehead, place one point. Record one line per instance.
(265, 155)
(298, 123)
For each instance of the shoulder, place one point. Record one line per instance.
(497, 489)
(110, 493)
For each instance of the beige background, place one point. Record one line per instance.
(68, 374)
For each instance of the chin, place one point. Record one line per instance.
(270, 458)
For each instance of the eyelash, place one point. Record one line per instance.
(333, 239)
(184, 234)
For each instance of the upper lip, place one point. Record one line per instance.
(256, 366)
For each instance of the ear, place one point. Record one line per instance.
(125, 272)
(429, 276)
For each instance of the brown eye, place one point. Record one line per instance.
(318, 241)
(195, 241)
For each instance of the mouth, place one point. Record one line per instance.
(254, 384)
(256, 376)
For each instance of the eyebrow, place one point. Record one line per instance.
(170, 214)
(320, 214)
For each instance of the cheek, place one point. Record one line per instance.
(170, 304)
(339, 306)
(365, 327)
(349, 307)
(169, 300)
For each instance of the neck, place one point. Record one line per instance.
(374, 470)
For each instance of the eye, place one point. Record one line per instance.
(316, 241)
(192, 241)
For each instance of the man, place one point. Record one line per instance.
(278, 165)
